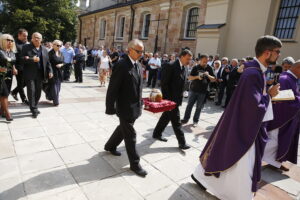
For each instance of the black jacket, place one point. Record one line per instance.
(54, 60)
(19, 58)
(173, 79)
(234, 77)
(124, 94)
(31, 69)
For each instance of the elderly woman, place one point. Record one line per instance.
(104, 68)
(57, 61)
(7, 69)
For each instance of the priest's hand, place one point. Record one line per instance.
(274, 90)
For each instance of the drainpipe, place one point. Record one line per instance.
(80, 27)
(114, 35)
(167, 28)
(94, 31)
(131, 23)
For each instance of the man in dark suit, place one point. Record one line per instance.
(124, 98)
(222, 78)
(37, 69)
(234, 76)
(172, 85)
(20, 42)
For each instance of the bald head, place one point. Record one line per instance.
(36, 39)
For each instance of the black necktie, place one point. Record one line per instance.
(136, 68)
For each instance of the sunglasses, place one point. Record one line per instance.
(138, 51)
(9, 40)
(58, 45)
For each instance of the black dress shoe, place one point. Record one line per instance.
(198, 183)
(114, 152)
(184, 146)
(38, 112)
(15, 96)
(161, 139)
(183, 121)
(25, 101)
(34, 115)
(139, 171)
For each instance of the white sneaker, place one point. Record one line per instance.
(195, 124)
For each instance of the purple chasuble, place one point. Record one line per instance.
(240, 126)
(287, 120)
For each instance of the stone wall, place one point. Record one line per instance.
(170, 30)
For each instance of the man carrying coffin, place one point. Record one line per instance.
(283, 131)
(230, 163)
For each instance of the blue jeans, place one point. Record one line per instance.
(193, 98)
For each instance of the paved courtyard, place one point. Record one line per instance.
(60, 156)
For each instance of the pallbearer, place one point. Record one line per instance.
(283, 131)
(230, 163)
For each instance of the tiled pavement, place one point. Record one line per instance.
(59, 155)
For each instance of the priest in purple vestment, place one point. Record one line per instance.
(230, 163)
(283, 131)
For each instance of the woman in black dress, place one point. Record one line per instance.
(57, 61)
(7, 69)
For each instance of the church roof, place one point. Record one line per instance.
(118, 5)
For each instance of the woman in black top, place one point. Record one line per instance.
(57, 61)
(7, 69)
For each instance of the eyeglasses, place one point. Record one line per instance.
(9, 40)
(138, 51)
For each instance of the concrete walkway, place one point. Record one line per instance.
(60, 156)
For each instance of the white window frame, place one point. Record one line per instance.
(118, 36)
(101, 29)
(187, 21)
(144, 26)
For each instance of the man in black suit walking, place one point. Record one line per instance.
(37, 69)
(20, 42)
(172, 85)
(124, 98)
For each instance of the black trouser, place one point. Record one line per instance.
(34, 89)
(55, 89)
(96, 61)
(174, 117)
(229, 92)
(125, 131)
(67, 71)
(78, 72)
(20, 85)
(152, 77)
(222, 87)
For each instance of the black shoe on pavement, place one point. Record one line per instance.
(184, 146)
(15, 96)
(114, 152)
(161, 139)
(184, 121)
(139, 171)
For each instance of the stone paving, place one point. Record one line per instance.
(60, 156)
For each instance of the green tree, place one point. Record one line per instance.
(54, 19)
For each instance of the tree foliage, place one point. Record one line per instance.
(54, 19)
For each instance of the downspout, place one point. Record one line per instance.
(94, 32)
(166, 36)
(80, 27)
(131, 23)
(114, 35)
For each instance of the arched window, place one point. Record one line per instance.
(121, 26)
(192, 22)
(102, 28)
(146, 25)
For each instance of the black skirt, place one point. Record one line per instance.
(5, 85)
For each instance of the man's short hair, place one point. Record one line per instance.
(22, 30)
(185, 52)
(266, 42)
(135, 42)
(203, 56)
